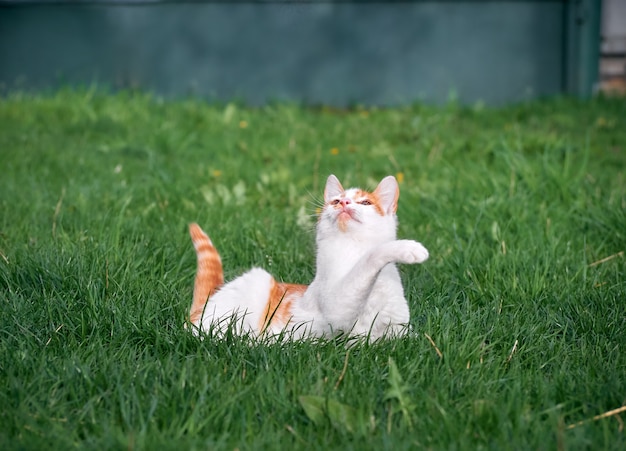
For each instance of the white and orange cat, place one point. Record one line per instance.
(356, 291)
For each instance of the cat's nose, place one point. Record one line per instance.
(345, 201)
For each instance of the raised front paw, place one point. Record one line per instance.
(409, 252)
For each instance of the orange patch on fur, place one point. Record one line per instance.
(372, 197)
(279, 303)
(209, 275)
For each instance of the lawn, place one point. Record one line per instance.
(519, 315)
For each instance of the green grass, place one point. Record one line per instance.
(517, 206)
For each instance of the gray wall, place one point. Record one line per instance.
(334, 53)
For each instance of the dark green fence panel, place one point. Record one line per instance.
(331, 52)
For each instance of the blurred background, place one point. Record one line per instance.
(329, 52)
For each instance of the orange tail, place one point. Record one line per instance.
(209, 275)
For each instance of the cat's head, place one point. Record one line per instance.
(360, 213)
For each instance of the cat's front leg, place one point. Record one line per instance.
(404, 251)
(354, 290)
(398, 251)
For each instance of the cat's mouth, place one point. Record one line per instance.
(345, 216)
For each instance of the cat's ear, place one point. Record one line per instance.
(388, 192)
(333, 188)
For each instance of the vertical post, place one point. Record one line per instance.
(582, 46)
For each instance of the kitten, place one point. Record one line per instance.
(356, 290)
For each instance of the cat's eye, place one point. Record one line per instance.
(365, 202)
(334, 202)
